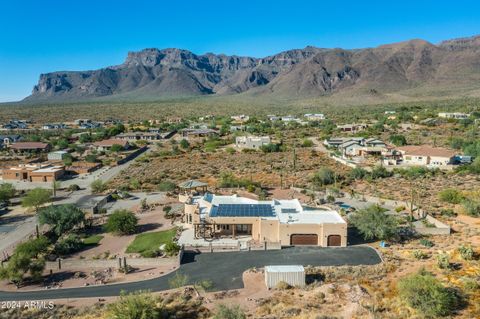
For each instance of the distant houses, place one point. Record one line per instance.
(33, 172)
(314, 117)
(251, 142)
(352, 128)
(196, 133)
(106, 145)
(454, 115)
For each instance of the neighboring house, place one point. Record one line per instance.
(424, 155)
(193, 133)
(29, 147)
(7, 140)
(82, 167)
(174, 120)
(33, 172)
(273, 118)
(54, 126)
(240, 118)
(57, 155)
(139, 136)
(356, 146)
(16, 125)
(106, 145)
(252, 142)
(455, 115)
(237, 128)
(352, 128)
(281, 221)
(314, 117)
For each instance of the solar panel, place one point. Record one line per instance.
(242, 210)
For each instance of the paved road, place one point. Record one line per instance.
(224, 269)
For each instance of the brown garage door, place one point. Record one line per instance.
(334, 240)
(303, 239)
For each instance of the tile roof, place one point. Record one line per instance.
(29, 145)
(426, 150)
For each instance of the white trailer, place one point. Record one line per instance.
(294, 275)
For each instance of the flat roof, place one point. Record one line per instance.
(284, 268)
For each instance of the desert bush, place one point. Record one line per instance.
(374, 223)
(166, 186)
(229, 312)
(138, 305)
(171, 248)
(324, 176)
(98, 186)
(282, 285)
(471, 207)
(178, 281)
(466, 252)
(443, 261)
(121, 222)
(70, 244)
(423, 292)
(425, 242)
(380, 172)
(418, 254)
(450, 195)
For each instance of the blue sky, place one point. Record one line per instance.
(44, 36)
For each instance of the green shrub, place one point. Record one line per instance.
(229, 312)
(358, 173)
(171, 248)
(178, 281)
(98, 186)
(418, 254)
(427, 295)
(443, 261)
(466, 252)
(425, 242)
(374, 223)
(121, 222)
(166, 186)
(324, 176)
(138, 305)
(68, 245)
(471, 207)
(450, 195)
(380, 172)
(307, 143)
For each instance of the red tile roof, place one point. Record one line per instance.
(29, 146)
(110, 142)
(426, 150)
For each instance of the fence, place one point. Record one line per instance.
(240, 246)
(107, 263)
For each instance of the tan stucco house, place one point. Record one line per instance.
(287, 222)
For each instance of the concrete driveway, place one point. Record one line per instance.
(223, 269)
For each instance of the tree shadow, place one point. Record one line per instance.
(148, 227)
(355, 238)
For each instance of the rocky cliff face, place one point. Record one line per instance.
(303, 72)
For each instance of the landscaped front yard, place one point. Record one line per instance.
(150, 242)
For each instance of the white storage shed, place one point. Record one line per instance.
(293, 275)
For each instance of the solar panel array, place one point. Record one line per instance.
(242, 210)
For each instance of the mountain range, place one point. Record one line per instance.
(406, 69)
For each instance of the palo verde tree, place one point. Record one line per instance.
(36, 198)
(62, 218)
(26, 260)
(7, 191)
(374, 223)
